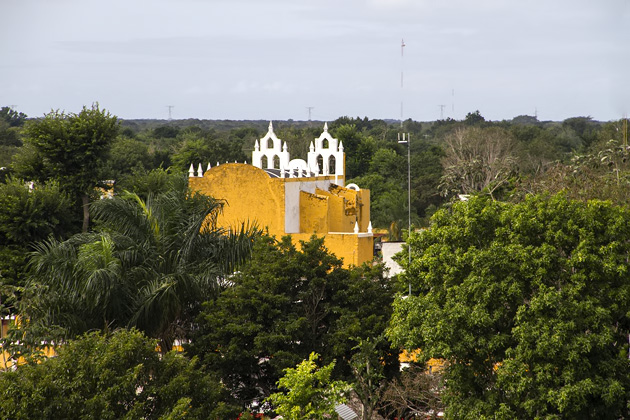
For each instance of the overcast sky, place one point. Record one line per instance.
(271, 59)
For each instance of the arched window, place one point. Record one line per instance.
(276, 162)
(320, 164)
(331, 165)
(325, 144)
(263, 162)
(269, 143)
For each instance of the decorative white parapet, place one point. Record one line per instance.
(191, 171)
(356, 227)
(199, 171)
(370, 227)
(209, 167)
(217, 163)
(282, 173)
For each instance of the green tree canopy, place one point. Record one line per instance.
(149, 264)
(283, 305)
(311, 393)
(117, 376)
(69, 148)
(528, 305)
(29, 213)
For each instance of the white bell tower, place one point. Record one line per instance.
(270, 153)
(326, 156)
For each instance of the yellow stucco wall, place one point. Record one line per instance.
(251, 195)
(353, 249)
(313, 213)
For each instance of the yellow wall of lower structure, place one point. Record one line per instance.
(6, 363)
(313, 212)
(353, 249)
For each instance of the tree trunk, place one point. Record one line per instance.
(85, 199)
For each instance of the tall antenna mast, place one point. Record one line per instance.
(402, 54)
(170, 108)
(310, 108)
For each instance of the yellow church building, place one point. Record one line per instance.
(294, 196)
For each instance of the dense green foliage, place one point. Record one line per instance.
(528, 304)
(149, 264)
(117, 376)
(283, 305)
(311, 394)
(70, 149)
(27, 216)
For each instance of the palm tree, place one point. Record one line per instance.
(149, 264)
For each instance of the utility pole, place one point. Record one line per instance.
(170, 108)
(405, 138)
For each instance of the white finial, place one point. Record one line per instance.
(199, 171)
(284, 148)
(235, 161)
(245, 162)
(356, 227)
(370, 227)
(191, 171)
(209, 167)
(311, 147)
(226, 161)
(270, 127)
(325, 127)
(256, 146)
(217, 163)
(340, 146)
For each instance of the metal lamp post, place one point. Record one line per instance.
(406, 139)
